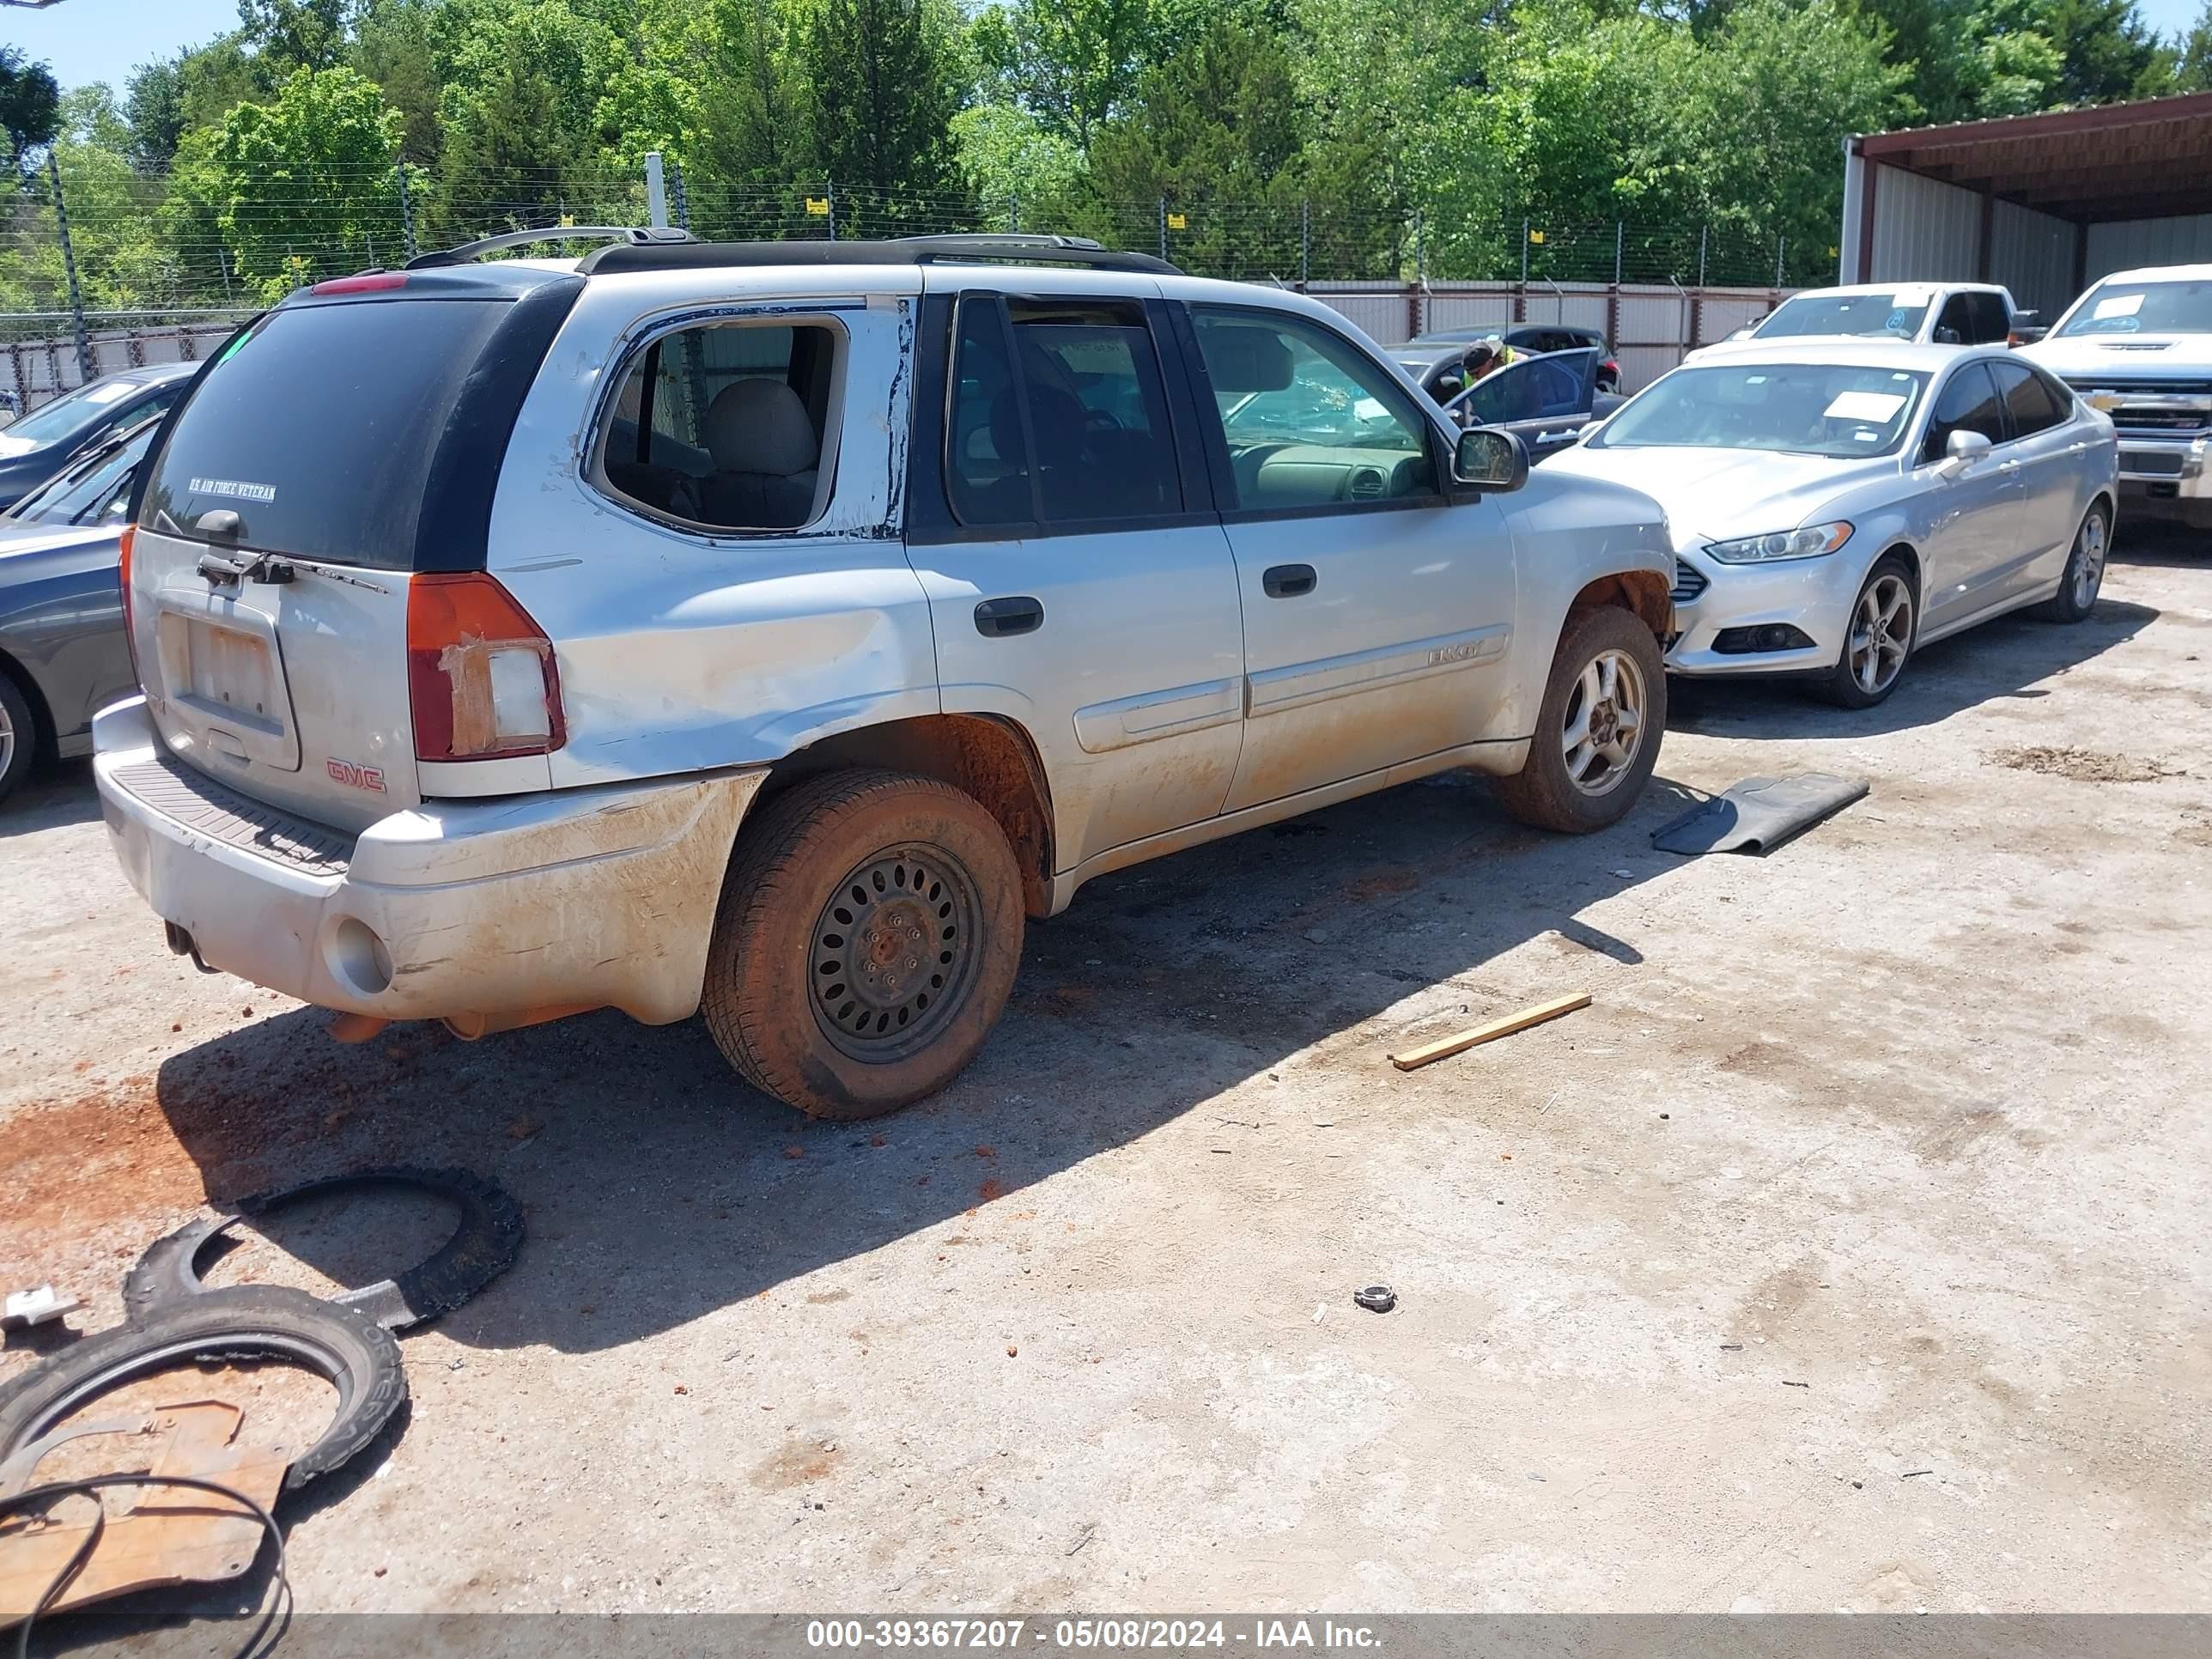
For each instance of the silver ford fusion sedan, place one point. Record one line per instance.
(1835, 506)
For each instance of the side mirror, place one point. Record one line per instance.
(1948, 337)
(1960, 451)
(1490, 460)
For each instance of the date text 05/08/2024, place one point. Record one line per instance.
(1090, 1635)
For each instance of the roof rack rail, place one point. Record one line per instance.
(619, 235)
(1078, 252)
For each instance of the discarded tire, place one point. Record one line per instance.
(352, 1352)
(482, 1247)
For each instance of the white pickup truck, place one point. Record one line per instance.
(2138, 346)
(1921, 313)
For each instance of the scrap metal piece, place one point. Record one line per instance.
(171, 1535)
(482, 1248)
(1375, 1299)
(1759, 814)
(36, 1307)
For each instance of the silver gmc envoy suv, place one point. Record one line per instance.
(768, 629)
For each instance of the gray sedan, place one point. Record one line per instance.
(1834, 506)
(62, 651)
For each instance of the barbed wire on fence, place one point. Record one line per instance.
(148, 241)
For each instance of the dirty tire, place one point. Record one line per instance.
(2085, 570)
(1544, 793)
(245, 1322)
(19, 736)
(482, 1247)
(821, 839)
(1841, 685)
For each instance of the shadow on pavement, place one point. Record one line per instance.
(55, 794)
(661, 1188)
(1999, 659)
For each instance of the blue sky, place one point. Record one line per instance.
(103, 39)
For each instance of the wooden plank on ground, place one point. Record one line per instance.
(1462, 1041)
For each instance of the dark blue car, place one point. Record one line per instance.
(53, 435)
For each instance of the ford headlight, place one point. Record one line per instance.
(1810, 542)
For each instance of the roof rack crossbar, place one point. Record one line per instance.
(629, 235)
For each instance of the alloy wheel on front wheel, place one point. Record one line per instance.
(1605, 722)
(1881, 634)
(894, 953)
(8, 740)
(2089, 561)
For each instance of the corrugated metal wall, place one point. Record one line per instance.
(1924, 230)
(1927, 231)
(2032, 253)
(2124, 244)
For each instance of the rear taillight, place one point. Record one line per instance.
(123, 575)
(480, 672)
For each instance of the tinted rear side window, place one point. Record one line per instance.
(319, 427)
(1968, 403)
(2028, 400)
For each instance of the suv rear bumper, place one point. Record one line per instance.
(463, 910)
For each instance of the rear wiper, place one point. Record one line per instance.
(273, 568)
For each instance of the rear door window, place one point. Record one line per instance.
(1968, 403)
(727, 424)
(2027, 399)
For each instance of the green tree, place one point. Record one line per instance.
(304, 186)
(1214, 130)
(1012, 164)
(296, 34)
(1072, 63)
(214, 79)
(2193, 67)
(1755, 139)
(30, 106)
(522, 81)
(392, 46)
(878, 105)
(752, 96)
(154, 104)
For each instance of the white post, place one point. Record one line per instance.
(656, 192)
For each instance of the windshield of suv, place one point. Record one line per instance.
(1798, 409)
(1898, 313)
(96, 491)
(2145, 308)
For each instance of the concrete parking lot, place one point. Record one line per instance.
(1849, 1251)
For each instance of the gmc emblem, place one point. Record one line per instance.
(356, 777)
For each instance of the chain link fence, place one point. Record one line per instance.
(102, 263)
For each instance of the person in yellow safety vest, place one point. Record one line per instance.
(1486, 356)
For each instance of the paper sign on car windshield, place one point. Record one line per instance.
(2120, 305)
(1876, 406)
(110, 392)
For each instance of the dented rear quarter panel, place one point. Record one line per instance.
(681, 650)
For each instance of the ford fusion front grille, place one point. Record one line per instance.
(1689, 582)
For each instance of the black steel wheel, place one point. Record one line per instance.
(895, 953)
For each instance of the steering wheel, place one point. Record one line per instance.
(1101, 419)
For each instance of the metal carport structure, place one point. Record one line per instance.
(2044, 203)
